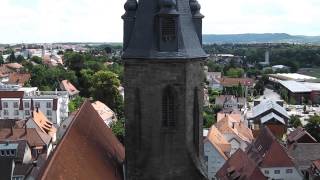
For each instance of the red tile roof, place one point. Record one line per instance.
(240, 166)
(268, 152)
(33, 137)
(88, 150)
(19, 78)
(219, 142)
(235, 81)
(67, 86)
(11, 94)
(300, 135)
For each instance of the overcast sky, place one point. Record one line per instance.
(99, 20)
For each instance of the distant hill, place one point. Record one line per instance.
(259, 38)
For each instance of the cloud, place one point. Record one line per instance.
(99, 20)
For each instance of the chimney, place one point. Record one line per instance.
(37, 109)
(11, 131)
(233, 125)
(32, 114)
(25, 128)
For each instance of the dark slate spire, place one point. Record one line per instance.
(163, 29)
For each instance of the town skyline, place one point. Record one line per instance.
(44, 21)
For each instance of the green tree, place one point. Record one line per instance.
(75, 103)
(295, 121)
(235, 72)
(118, 129)
(313, 126)
(105, 86)
(36, 59)
(74, 61)
(12, 57)
(20, 59)
(85, 82)
(1, 60)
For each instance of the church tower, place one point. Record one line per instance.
(163, 59)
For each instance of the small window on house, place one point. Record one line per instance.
(27, 112)
(12, 152)
(49, 113)
(16, 112)
(37, 104)
(289, 171)
(266, 171)
(276, 171)
(26, 105)
(5, 112)
(168, 28)
(48, 104)
(15, 105)
(7, 153)
(2, 152)
(5, 104)
(168, 109)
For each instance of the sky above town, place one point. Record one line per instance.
(28, 21)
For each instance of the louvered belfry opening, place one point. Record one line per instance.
(168, 28)
(168, 108)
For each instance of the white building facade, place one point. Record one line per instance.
(19, 104)
(284, 173)
(215, 160)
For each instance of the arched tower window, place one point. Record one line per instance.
(168, 108)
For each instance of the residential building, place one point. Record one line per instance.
(106, 114)
(231, 103)
(216, 151)
(15, 159)
(163, 90)
(213, 80)
(246, 85)
(66, 85)
(18, 103)
(39, 121)
(240, 166)
(272, 157)
(235, 132)
(303, 155)
(300, 135)
(269, 113)
(88, 150)
(314, 170)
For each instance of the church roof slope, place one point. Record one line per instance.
(88, 150)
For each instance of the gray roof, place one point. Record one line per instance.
(305, 153)
(271, 116)
(295, 87)
(142, 37)
(267, 105)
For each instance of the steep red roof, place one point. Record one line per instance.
(268, 152)
(88, 150)
(300, 135)
(240, 166)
